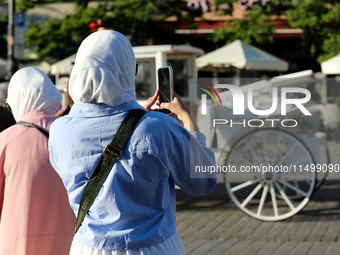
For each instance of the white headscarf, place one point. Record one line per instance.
(30, 89)
(104, 70)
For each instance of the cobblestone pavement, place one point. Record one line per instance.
(212, 224)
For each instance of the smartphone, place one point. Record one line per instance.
(165, 86)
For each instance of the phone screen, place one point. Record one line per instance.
(165, 86)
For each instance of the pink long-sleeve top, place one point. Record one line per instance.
(35, 215)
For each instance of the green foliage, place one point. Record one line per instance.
(315, 17)
(24, 5)
(133, 18)
(255, 26)
(144, 19)
(252, 28)
(62, 37)
(229, 10)
(141, 21)
(330, 47)
(4, 17)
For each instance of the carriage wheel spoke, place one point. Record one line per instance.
(244, 185)
(296, 183)
(309, 182)
(293, 187)
(289, 203)
(300, 161)
(252, 194)
(287, 153)
(254, 152)
(243, 159)
(276, 149)
(272, 192)
(263, 199)
(265, 148)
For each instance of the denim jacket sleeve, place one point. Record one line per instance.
(190, 155)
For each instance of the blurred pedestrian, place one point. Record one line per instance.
(6, 118)
(101, 25)
(35, 216)
(69, 104)
(135, 209)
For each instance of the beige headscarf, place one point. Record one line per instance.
(104, 70)
(30, 89)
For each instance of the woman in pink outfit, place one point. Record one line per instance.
(35, 216)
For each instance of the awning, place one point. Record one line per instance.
(242, 56)
(331, 66)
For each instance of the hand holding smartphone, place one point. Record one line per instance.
(165, 86)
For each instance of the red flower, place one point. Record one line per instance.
(93, 27)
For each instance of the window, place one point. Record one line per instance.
(144, 80)
(180, 69)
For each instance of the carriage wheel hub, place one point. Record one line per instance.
(271, 175)
(268, 176)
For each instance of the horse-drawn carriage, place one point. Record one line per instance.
(271, 164)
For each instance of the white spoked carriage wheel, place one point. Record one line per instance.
(265, 165)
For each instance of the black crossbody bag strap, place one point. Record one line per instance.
(112, 153)
(27, 124)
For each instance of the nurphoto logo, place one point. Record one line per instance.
(239, 104)
(204, 97)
